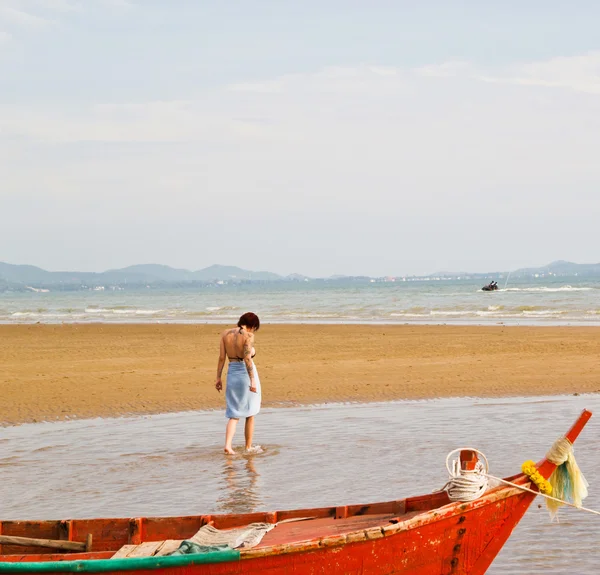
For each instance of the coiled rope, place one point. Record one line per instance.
(466, 485)
(469, 485)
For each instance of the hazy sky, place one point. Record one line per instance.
(319, 137)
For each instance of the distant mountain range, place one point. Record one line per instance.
(560, 268)
(25, 276)
(136, 274)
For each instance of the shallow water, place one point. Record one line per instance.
(330, 455)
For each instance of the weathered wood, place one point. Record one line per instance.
(168, 547)
(124, 551)
(468, 460)
(146, 549)
(341, 512)
(135, 530)
(48, 543)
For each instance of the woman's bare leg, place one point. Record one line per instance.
(249, 431)
(229, 433)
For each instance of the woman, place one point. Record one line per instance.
(243, 386)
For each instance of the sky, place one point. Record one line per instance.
(316, 137)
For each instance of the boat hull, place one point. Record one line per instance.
(456, 539)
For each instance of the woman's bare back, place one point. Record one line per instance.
(238, 343)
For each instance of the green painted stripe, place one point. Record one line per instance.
(108, 565)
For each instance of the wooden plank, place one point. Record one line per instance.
(168, 547)
(108, 534)
(146, 549)
(135, 530)
(162, 528)
(39, 529)
(48, 543)
(341, 512)
(124, 551)
(29, 557)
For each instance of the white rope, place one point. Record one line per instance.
(560, 451)
(466, 485)
(543, 495)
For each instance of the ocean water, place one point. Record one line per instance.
(542, 301)
(172, 464)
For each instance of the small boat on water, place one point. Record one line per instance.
(424, 535)
(492, 286)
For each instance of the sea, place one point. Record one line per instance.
(541, 301)
(172, 464)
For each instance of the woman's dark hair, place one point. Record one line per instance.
(250, 320)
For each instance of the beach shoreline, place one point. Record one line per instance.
(56, 372)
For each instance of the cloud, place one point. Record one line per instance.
(445, 70)
(578, 73)
(32, 14)
(22, 18)
(124, 4)
(375, 101)
(5, 37)
(391, 162)
(57, 5)
(141, 122)
(273, 87)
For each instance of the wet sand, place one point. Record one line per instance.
(65, 371)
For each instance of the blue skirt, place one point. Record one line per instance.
(241, 402)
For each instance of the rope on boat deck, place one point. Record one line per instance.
(567, 480)
(466, 484)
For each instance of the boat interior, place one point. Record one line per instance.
(154, 536)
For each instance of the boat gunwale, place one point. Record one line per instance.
(421, 519)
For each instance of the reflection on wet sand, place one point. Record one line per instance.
(240, 492)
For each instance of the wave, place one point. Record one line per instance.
(202, 314)
(545, 312)
(122, 311)
(547, 289)
(498, 312)
(45, 315)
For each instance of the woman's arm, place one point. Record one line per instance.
(248, 343)
(220, 365)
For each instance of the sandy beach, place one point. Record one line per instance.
(52, 372)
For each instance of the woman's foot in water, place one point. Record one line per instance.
(229, 451)
(254, 449)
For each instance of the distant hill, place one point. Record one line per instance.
(217, 272)
(150, 273)
(297, 277)
(24, 275)
(560, 268)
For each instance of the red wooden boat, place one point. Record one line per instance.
(425, 535)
